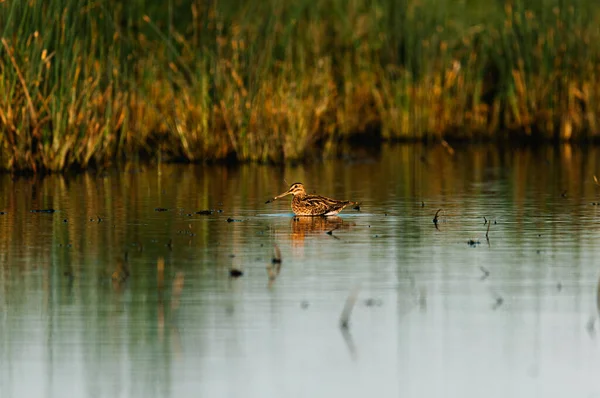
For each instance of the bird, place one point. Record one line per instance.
(304, 204)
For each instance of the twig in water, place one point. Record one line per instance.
(596, 181)
(276, 255)
(435, 218)
(347, 311)
(487, 232)
(484, 220)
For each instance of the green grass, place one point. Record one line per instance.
(88, 83)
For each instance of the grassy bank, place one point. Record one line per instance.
(86, 83)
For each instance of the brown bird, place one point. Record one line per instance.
(304, 204)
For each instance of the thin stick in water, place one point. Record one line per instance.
(348, 307)
(435, 218)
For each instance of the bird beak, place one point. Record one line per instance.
(279, 197)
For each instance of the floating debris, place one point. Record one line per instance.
(235, 273)
(304, 304)
(484, 220)
(3, 212)
(472, 242)
(49, 211)
(205, 212)
(347, 311)
(596, 181)
(487, 233)
(161, 209)
(564, 193)
(357, 208)
(422, 204)
(65, 220)
(233, 220)
(170, 244)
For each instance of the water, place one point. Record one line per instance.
(435, 315)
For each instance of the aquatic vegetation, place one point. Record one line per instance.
(88, 84)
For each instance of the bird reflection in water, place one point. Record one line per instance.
(306, 226)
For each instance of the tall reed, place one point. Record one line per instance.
(89, 83)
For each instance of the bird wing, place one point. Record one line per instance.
(322, 204)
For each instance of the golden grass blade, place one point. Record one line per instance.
(22, 80)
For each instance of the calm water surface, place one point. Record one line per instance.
(435, 316)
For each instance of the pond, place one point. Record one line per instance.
(125, 290)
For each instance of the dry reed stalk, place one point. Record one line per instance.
(22, 80)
